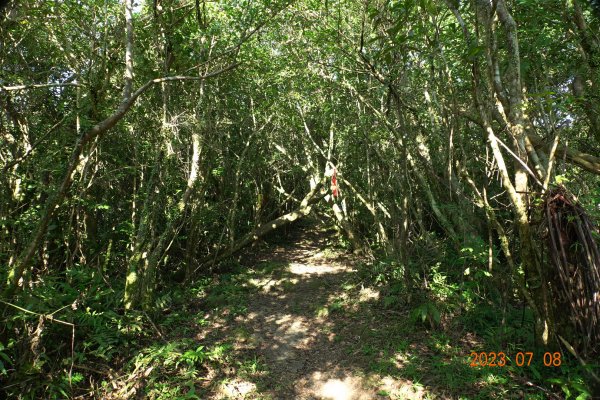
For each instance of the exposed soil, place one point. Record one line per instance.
(304, 320)
(293, 327)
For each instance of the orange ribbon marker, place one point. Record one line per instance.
(334, 186)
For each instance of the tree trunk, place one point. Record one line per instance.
(313, 196)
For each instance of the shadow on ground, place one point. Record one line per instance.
(305, 329)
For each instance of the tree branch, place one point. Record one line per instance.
(313, 196)
(582, 160)
(37, 86)
(56, 200)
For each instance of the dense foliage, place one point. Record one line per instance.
(144, 145)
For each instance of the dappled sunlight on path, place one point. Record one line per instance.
(318, 269)
(291, 329)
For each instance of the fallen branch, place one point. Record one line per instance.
(155, 327)
(50, 317)
(303, 210)
(527, 382)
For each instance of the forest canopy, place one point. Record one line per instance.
(450, 148)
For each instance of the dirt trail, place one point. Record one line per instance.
(292, 330)
(311, 324)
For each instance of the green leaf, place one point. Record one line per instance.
(475, 51)
(435, 313)
(560, 179)
(389, 300)
(535, 372)
(5, 357)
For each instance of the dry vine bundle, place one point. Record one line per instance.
(575, 257)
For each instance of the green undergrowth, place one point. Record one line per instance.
(158, 353)
(198, 351)
(420, 332)
(439, 322)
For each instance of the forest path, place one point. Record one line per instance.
(304, 334)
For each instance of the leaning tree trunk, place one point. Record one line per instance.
(140, 281)
(491, 97)
(25, 259)
(306, 205)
